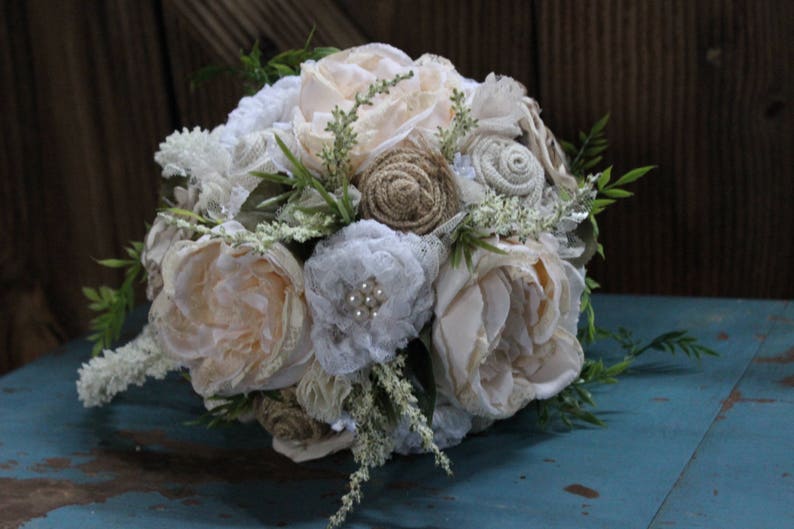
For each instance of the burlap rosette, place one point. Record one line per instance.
(409, 189)
(286, 420)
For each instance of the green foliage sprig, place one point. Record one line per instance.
(303, 179)
(254, 74)
(113, 305)
(570, 405)
(589, 332)
(609, 193)
(336, 158)
(462, 123)
(466, 239)
(589, 152)
(232, 408)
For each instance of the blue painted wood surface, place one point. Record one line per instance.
(688, 444)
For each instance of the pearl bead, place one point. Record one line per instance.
(373, 314)
(365, 286)
(361, 315)
(355, 299)
(370, 301)
(379, 294)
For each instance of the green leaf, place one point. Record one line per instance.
(617, 193)
(419, 364)
(599, 125)
(251, 213)
(603, 179)
(634, 175)
(114, 263)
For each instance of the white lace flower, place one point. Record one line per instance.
(369, 291)
(272, 104)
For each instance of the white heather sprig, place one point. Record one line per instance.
(265, 235)
(103, 377)
(372, 448)
(398, 388)
(509, 216)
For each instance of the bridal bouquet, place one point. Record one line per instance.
(373, 253)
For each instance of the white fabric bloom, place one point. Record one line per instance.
(416, 106)
(161, 236)
(272, 104)
(235, 318)
(505, 333)
(497, 106)
(450, 426)
(192, 153)
(347, 333)
(221, 176)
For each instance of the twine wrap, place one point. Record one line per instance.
(285, 419)
(508, 167)
(409, 189)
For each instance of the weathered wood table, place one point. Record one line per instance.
(688, 444)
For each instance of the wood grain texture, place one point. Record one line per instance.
(202, 33)
(86, 99)
(478, 36)
(703, 89)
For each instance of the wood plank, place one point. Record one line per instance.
(88, 107)
(742, 474)
(702, 89)
(137, 463)
(478, 36)
(202, 33)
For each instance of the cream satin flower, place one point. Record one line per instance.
(416, 105)
(505, 333)
(238, 320)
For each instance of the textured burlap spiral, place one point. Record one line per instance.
(286, 420)
(508, 167)
(409, 189)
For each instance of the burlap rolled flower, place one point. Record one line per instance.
(409, 189)
(507, 167)
(285, 419)
(295, 434)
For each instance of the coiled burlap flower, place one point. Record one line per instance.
(286, 420)
(409, 189)
(295, 434)
(508, 167)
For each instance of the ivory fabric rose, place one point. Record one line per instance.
(416, 105)
(160, 237)
(505, 333)
(237, 319)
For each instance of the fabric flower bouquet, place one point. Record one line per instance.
(374, 253)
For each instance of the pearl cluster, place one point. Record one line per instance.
(365, 299)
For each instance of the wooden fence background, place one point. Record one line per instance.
(701, 88)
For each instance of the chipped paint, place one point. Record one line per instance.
(581, 490)
(173, 473)
(784, 358)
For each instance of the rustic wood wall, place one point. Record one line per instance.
(703, 89)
